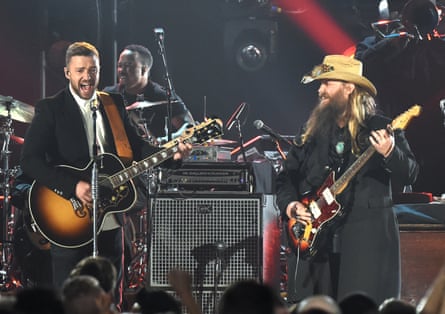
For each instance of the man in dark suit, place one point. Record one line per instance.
(62, 133)
(360, 250)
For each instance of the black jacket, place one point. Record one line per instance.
(367, 236)
(57, 136)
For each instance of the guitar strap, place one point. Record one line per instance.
(123, 147)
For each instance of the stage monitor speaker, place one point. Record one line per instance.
(217, 239)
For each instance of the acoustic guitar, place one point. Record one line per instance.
(68, 223)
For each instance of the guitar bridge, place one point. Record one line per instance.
(76, 204)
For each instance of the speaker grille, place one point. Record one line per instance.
(202, 234)
(208, 300)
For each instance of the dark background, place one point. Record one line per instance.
(200, 38)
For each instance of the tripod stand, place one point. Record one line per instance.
(138, 266)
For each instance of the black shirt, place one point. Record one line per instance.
(154, 116)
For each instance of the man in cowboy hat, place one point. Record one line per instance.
(357, 247)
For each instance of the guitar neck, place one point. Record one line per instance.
(192, 135)
(138, 168)
(400, 122)
(347, 176)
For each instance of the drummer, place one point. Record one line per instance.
(135, 85)
(138, 90)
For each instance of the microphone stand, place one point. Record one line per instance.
(279, 149)
(159, 32)
(220, 247)
(241, 139)
(95, 181)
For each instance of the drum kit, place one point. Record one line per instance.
(10, 109)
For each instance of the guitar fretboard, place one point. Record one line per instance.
(197, 134)
(138, 168)
(400, 122)
(347, 176)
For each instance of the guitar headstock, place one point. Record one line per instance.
(200, 133)
(401, 121)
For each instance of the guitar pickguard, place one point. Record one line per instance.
(113, 200)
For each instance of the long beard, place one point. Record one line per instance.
(326, 117)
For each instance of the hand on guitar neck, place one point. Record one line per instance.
(383, 141)
(184, 150)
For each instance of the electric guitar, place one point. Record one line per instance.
(68, 223)
(323, 205)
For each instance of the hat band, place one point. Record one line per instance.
(317, 71)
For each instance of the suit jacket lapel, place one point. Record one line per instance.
(73, 118)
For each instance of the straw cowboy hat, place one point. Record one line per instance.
(340, 68)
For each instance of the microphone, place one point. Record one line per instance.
(261, 126)
(159, 33)
(235, 115)
(94, 104)
(220, 246)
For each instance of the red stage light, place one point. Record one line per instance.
(318, 24)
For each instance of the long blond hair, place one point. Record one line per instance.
(360, 106)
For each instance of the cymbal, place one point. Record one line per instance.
(147, 104)
(19, 110)
(221, 142)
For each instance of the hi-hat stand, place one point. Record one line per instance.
(7, 278)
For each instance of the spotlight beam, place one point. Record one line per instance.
(318, 24)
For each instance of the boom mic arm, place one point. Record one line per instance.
(235, 116)
(263, 127)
